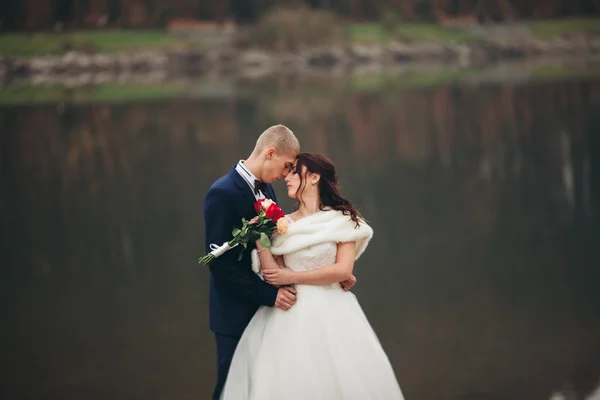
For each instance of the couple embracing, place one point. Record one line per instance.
(294, 331)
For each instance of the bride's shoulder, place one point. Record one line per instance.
(292, 216)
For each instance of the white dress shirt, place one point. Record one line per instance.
(249, 178)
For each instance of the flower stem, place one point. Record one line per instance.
(209, 257)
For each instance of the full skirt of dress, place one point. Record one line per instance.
(323, 348)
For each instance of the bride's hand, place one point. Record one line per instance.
(279, 276)
(349, 283)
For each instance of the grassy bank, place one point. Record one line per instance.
(411, 80)
(547, 29)
(373, 33)
(558, 72)
(102, 41)
(434, 33)
(106, 93)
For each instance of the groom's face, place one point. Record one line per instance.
(277, 165)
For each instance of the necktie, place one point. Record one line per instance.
(260, 187)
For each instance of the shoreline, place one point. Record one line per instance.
(108, 67)
(415, 76)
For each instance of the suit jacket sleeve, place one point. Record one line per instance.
(220, 218)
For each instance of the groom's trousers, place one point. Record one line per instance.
(225, 348)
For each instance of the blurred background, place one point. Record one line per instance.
(466, 131)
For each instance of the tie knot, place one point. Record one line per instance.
(260, 187)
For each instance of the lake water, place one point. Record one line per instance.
(482, 280)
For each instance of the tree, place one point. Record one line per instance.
(12, 15)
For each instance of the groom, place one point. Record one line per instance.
(236, 291)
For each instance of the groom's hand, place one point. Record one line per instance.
(349, 283)
(286, 298)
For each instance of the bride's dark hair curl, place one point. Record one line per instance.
(328, 184)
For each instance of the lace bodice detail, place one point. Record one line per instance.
(310, 258)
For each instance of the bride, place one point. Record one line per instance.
(322, 348)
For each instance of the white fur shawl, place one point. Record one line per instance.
(321, 227)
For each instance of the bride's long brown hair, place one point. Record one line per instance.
(330, 195)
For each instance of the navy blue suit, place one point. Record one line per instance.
(236, 291)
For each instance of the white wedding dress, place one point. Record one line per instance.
(323, 348)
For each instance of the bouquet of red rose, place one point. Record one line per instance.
(269, 219)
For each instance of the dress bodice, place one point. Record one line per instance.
(312, 257)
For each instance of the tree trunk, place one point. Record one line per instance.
(506, 9)
(355, 8)
(437, 10)
(408, 9)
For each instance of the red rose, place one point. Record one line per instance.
(274, 213)
(258, 205)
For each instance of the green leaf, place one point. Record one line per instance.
(240, 255)
(264, 241)
(254, 236)
(236, 232)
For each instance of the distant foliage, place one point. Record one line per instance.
(390, 20)
(38, 14)
(292, 29)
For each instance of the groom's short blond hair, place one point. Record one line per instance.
(280, 137)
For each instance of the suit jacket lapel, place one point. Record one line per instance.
(243, 187)
(245, 190)
(271, 193)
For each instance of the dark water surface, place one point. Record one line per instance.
(482, 280)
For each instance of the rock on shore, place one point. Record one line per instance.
(252, 62)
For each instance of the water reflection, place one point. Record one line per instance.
(481, 280)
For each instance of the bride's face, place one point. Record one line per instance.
(296, 187)
(292, 181)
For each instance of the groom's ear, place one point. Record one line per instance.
(270, 153)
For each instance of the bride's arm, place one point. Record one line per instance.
(333, 273)
(280, 261)
(267, 260)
